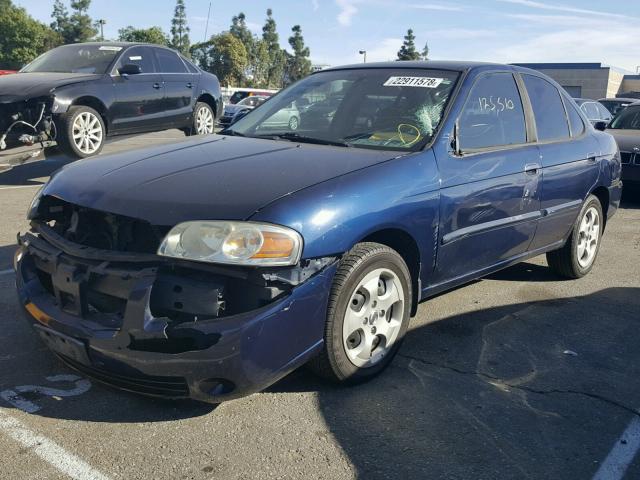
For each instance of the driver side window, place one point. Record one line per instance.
(493, 115)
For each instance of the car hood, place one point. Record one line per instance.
(210, 178)
(22, 86)
(627, 139)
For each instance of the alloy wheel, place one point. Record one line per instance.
(204, 121)
(589, 235)
(373, 318)
(87, 133)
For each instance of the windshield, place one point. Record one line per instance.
(252, 101)
(79, 58)
(386, 108)
(628, 119)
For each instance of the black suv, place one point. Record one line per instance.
(79, 94)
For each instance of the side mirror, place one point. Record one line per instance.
(600, 125)
(130, 69)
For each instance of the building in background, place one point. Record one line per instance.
(590, 80)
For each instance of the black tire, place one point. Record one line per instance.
(333, 363)
(193, 130)
(64, 128)
(564, 261)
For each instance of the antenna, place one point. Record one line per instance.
(206, 28)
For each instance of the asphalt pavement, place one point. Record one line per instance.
(521, 375)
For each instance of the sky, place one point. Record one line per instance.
(336, 30)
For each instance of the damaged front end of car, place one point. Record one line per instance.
(111, 307)
(26, 121)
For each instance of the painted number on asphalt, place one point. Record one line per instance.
(17, 397)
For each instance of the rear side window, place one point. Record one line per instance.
(493, 115)
(548, 109)
(190, 66)
(575, 120)
(169, 61)
(142, 56)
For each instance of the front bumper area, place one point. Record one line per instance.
(211, 360)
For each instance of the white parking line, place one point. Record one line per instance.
(48, 450)
(13, 187)
(6, 272)
(621, 455)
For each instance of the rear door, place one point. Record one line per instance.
(179, 87)
(490, 188)
(139, 98)
(568, 153)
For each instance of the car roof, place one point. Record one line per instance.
(454, 65)
(119, 44)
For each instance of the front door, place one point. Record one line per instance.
(490, 194)
(139, 98)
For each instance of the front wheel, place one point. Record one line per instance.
(81, 132)
(204, 120)
(576, 258)
(367, 316)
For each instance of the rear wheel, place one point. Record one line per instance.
(81, 132)
(204, 120)
(576, 258)
(368, 314)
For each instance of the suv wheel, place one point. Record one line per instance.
(367, 316)
(576, 258)
(81, 132)
(204, 120)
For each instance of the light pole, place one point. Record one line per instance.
(102, 22)
(364, 53)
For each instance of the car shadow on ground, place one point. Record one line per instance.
(532, 390)
(27, 173)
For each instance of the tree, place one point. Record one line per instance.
(223, 55)
(240, 30)
(143, 35)
(408, 50)
(277, 58)
(179, 29)
(425, 52)
(77, 27)
(298, 65)
(23, 38)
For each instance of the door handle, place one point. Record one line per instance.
(592, 157)
(532, 168)
(156, 85)
(189, 85)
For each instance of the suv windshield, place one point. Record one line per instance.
(386, 108)
(79, 58)
(628, 119)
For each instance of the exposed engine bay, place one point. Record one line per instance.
(26, 122)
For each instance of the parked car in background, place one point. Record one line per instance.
(234, 112)
(625, 128)
(80, 94)
(7, 72)
(212, 268)
(594, 111)
(242, 93)
(616, 105)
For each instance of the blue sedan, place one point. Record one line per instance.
(212, 268)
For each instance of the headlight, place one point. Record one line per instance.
(237, 243)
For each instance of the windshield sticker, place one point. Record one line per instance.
(135, 57)
(110, 49)
(420, 82)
